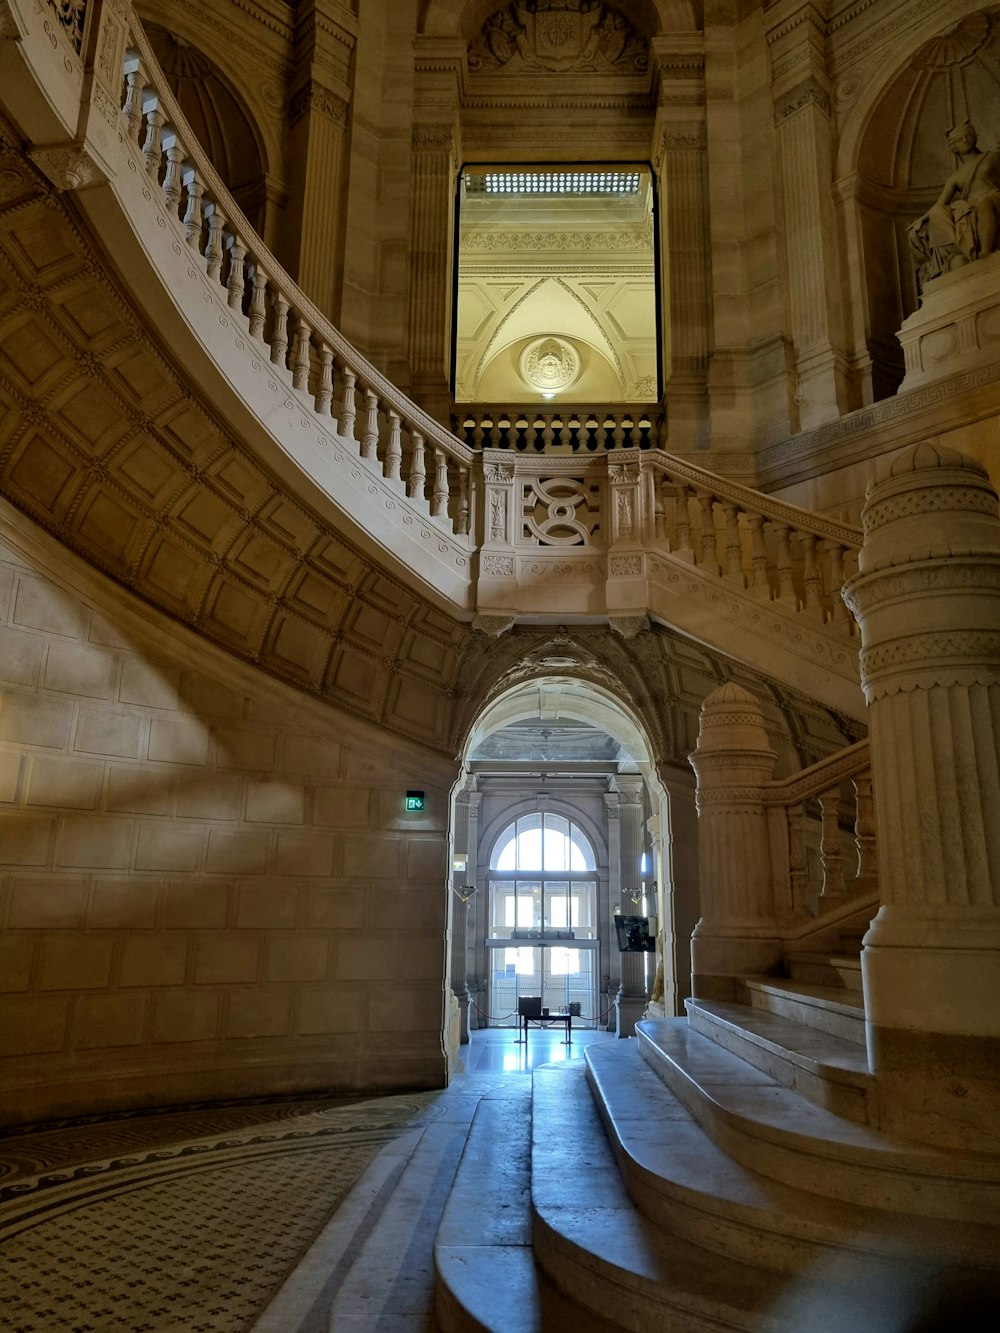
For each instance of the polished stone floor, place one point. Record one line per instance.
(294, 1216)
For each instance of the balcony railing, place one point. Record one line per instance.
(578, 428)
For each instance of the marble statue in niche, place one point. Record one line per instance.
(964, 222)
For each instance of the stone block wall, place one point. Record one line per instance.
(208, 887)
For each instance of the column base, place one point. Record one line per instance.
(628, 1010)
(719, 962)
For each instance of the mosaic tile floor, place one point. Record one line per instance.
(192, 1221)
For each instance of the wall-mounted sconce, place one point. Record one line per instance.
(464, 891)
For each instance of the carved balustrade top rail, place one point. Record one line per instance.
(392, 434)
(568, 428)
(774, 550)
(827, 809)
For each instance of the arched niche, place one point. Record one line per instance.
(219, 118)
(902, 160)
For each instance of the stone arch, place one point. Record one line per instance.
(893, 159)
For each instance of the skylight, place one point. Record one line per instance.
(595, 182)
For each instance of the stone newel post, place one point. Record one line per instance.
(927, 597)
(736, 934)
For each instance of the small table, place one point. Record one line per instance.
(544, 1020)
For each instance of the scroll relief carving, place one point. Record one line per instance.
(557, 37)
(963, 224)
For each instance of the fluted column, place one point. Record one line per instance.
(737, 934)
(681, 168)
(317, 125)
(431, 263)
(630, 1002)
(460, 899)
(804, 131)
(927, 597)
(475, 920)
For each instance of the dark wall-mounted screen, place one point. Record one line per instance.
(633, 934)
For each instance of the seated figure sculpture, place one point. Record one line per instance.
(964, 222)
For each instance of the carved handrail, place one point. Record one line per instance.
(794, 826)
(392, 433)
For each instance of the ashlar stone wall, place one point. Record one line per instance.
(208, 885)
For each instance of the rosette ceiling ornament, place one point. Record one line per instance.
(557, 37)
(548, 365)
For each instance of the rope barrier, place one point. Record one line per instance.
(499, 1018)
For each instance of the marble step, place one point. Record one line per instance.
(595, 1247)
(679, 1179)
(778, 1133)
(825, 969)
(829, 1009)
(486, 1277)
(828, 1070)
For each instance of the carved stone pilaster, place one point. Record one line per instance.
(927, 598)
(431, 261)
(737, 933)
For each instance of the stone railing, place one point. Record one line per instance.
(821, 824)
(569, 428)
(391, 434)
(775, 551)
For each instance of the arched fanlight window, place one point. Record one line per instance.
(542, 842)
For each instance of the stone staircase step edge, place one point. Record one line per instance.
(848, 1003)
(870, 1147)
(804, 1223)
(845, 1062)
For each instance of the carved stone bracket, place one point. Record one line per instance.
(493, 626)
(628, 627)
(68, 167)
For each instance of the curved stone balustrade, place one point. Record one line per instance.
(813, 808)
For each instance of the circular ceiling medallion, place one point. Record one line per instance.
(549, 364)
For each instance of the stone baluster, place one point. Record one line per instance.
(564, 431)
(235, 282)
(324, 381)
(617, 434)
(737, 933)
(839, 615)
(135, 80)
(494, 430)
(173, 185)
(279, 333)
(831, 849)
(369, 432)
(734, 550)
(709, 555)
(786, 579)
(258, 300)
(394, 448)
(299, 363)
(214, 241)
(813, 602)
(601, 433)
(477, 432)
(530, 432)
(193, 212)
(348, 408)
(683, 525)
(462, 516)
(151, 148)
(927, 599)
(760, 584)
(418, 476)
(798, 865)
(439, 495)
(864, 834)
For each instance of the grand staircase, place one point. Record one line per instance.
(717, 1172)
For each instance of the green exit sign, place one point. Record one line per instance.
(414, 800)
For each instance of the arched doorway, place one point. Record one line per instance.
(558, 826)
